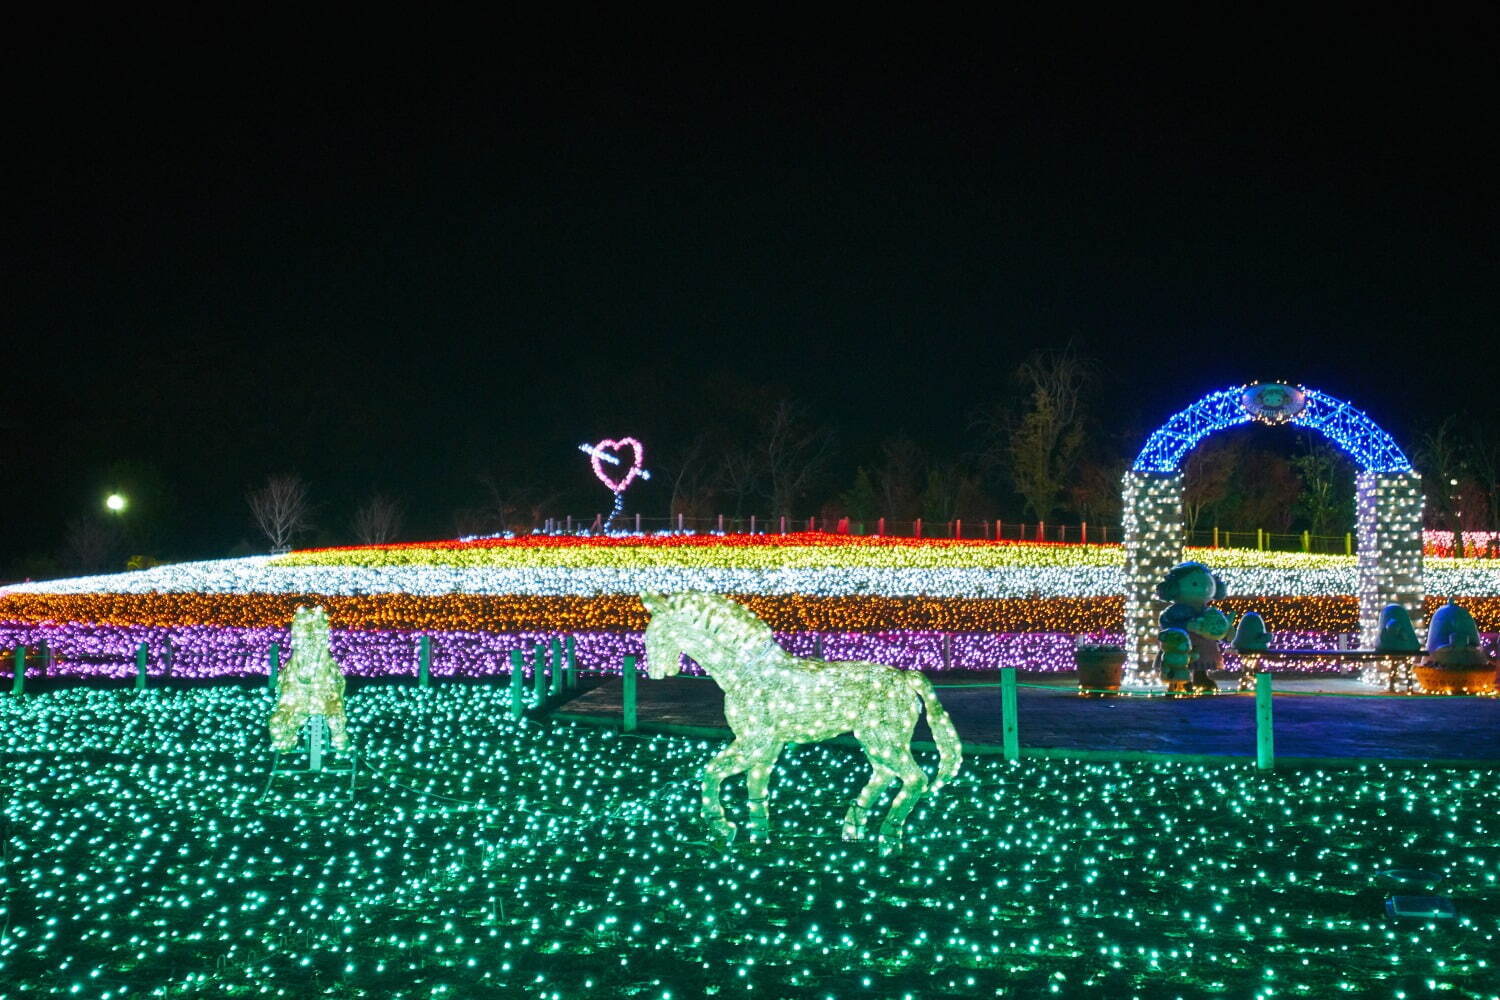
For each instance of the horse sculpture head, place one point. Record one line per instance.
(663, 655)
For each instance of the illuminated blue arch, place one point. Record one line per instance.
(1359, 436)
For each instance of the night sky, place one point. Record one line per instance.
(388, 276)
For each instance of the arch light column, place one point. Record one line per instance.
(1388, 503)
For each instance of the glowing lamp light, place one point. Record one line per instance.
(115, 502)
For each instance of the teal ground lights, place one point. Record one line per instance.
(484, 858)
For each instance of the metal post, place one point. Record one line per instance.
(317, 727)
(570, 524)
(517, 678)
(1010, 738)
(275, 665)
(539, 672)
(141, 652)
(555, 687)
(570, 681)
(752, 524)
(1260, 539)
(1306, 541)
(679, 522)
(1041, 531)
(18, 685)
(783, 524)
(880, 527)
(627, 695)
(1083, 533)
(168, 654)
(424, 659)
(637, 522)
(1216, 536)
(1265, 752)
(947, 651)
(1348, 543)
(958, 528)
(817, 645)
(721, 524)
(916, 528)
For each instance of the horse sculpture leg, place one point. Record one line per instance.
(737, 757)
(758, 780)
(859, 810)
(897, 758)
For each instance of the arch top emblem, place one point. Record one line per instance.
(1372, 449)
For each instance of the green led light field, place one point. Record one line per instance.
(479, 859)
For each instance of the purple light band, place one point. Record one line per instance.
(205, 652)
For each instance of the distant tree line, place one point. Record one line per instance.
(1044, 452)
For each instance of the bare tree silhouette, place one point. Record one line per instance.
(280, 509)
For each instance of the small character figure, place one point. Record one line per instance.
(1176, 659)
(1190, 586)
(311, 684)
(1453, 638)
(1396, 632)
(1252, 635)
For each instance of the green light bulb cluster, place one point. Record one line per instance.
(481, 857)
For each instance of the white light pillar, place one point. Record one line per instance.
(1389, 564)
(1154, 539)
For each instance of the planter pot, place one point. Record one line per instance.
(1455, 680)
(1100, 668)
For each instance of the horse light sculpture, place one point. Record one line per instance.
(311, 684)
(772, 698)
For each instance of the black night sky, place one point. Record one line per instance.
(399, 272)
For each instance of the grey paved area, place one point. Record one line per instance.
(1313, 718)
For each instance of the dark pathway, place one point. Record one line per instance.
(1318, 718)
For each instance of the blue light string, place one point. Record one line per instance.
(1350, 429)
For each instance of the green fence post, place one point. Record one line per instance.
(1010, 737)
(517, 678)
(555, 688)
(627, 695)
(18, 685)
(141, 652)
(1265, 750)
(571, 681)
(275, 668)
(539, 672)
(1260, 539)
(424, 660)
(1306, 541)
(1348, 543)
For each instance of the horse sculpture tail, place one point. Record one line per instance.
(950, 748)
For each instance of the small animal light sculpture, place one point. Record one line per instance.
(311, 684)
(772, 698)
(1190, 586)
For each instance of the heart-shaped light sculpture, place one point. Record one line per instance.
(607, 452)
